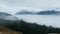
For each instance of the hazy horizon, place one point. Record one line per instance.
(11, 6)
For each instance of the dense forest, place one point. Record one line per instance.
(29, 28)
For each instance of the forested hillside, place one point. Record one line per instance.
(30, 28)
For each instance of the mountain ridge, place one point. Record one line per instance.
(7, 16)
(46, 12)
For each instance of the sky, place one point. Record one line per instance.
(15, 5)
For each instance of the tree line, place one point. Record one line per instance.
(30, 28)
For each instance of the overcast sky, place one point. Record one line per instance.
(13, 5)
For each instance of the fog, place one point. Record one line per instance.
(49, 20)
